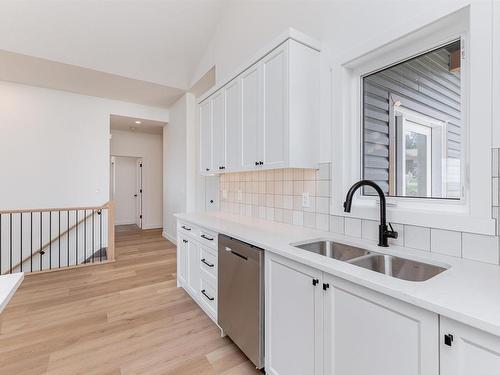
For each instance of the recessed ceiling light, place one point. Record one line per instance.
(137, 122)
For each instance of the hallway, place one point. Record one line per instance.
(123, 318)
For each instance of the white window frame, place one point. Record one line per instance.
(436, 131)
(473, 213)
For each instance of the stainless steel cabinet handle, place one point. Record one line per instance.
(207, 238)
(205, 262)
(207, 296)
(186, 228)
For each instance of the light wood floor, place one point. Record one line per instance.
(117, 319)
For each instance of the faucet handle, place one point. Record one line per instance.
(392, 233)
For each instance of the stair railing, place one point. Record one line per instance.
(43, 240)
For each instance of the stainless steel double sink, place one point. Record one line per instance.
(400, 268)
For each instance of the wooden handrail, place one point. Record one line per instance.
(27, 210)
(111, 227)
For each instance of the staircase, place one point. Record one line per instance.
(43, 240)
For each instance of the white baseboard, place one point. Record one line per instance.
(152, 226)
(170, 238)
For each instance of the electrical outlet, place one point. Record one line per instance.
(305, 200)
(240, 196)
(224, 194)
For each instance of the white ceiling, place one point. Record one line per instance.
(125, 123)
(157, 41)
(35, 71)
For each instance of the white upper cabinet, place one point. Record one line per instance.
(233, 125)
(468, 351)
(206, 137)
(219, 131)
(275, 132)
(250, 117)
(271, 113)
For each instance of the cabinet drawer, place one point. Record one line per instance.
(188, 229)
(208, 261)
(208, 238)
(208, 294)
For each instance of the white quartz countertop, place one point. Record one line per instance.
(468, 291)
(8, 286)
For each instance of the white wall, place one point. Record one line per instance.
(180, 150)
(149, 147)
(54, 146)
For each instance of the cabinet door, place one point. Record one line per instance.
(182, 260)
(206, 136)
(233, 125)
(294, 308)
(193, 279)
(370, 333)
(250, 116)
(274, 139)
(470, 352)
(219, 130)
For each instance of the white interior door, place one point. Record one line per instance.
(125, 190)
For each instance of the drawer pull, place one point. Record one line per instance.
(207, 238)
(185, 241)
(186, 228)
(205, 262)
(207, 296)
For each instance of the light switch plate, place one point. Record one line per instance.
(305, 200)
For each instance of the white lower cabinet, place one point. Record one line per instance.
(294, 310)
(468, 351)
(370, 333)
(197, 266)
(319, 324)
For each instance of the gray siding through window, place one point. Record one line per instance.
(425, 85)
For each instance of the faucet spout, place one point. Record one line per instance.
(384, 232)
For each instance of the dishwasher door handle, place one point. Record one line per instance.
(229, 250)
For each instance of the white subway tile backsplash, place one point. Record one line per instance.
(337, 224)
(481, 248)
(323, 188)
(277, 195)
(288, 202)
(369, 230)
(417, 237)
(322, 222)
(446, 242)
(352, 227)
(298, 218)
(309, 220)
(322, 205)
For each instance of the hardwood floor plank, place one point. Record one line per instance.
(121, 318)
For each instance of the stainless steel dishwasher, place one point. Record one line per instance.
(241, 296)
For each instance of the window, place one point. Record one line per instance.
(412, 126)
